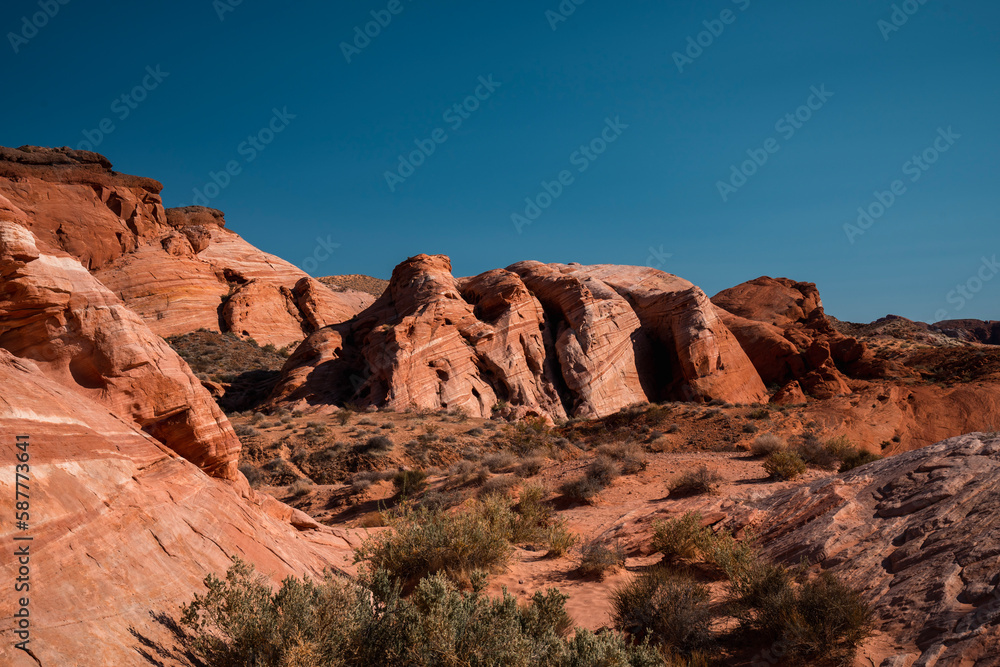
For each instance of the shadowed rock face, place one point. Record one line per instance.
(173, 267)
(549, 340)
(123, 528)
(53, 312)
(918, 532)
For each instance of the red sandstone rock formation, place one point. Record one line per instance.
(781, 326)
(550, 340)
(173, 267)
(124, 529)
(53, 312)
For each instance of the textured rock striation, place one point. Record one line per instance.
(547, 340)
(124, 530)
(174, 267)
(919, 533)
(55, 313)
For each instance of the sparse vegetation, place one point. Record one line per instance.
(767, 444)
(696, 482)
(598, 559)
(598, 476)
(240, 622)
(784, 465)
(667, 608)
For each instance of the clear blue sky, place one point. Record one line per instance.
(655, 186)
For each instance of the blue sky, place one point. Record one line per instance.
(608, 68)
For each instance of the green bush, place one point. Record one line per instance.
(560, 540)
(338, 622)
(784, 465)
(425, 542)
(669, 609)
(682, 538)
(821, 622)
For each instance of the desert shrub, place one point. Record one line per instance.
(674, 428)
(245, 430)
(822, 620)
(680, 538)
(499, 461)
(696, 482)
(287, 419)
(251, 473)
(530, 466)
(669, 609)
(598, 559)
(858, 459)
(300, 488)
(499, 486)
(560, 540)
(257, 418)
(766, 444)
(338, 622)
(366, 421)
(603, 470)
(535, 514)
(841, 447)
(409, 482)
(359, 486)
(784, 465)
(630, 458)
(466, 472)
(425, 542)
(598, 476)
(378, 444)
(759, 413)
(814, 453)
(750, 428)
(343, 416)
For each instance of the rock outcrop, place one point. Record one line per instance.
(55, 313)
(550, 340)
(174, 267)
(919, 533)
(781, 325)
(124, 530)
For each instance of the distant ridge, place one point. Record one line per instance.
(360, 283)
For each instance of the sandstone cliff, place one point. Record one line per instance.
(173, 267)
